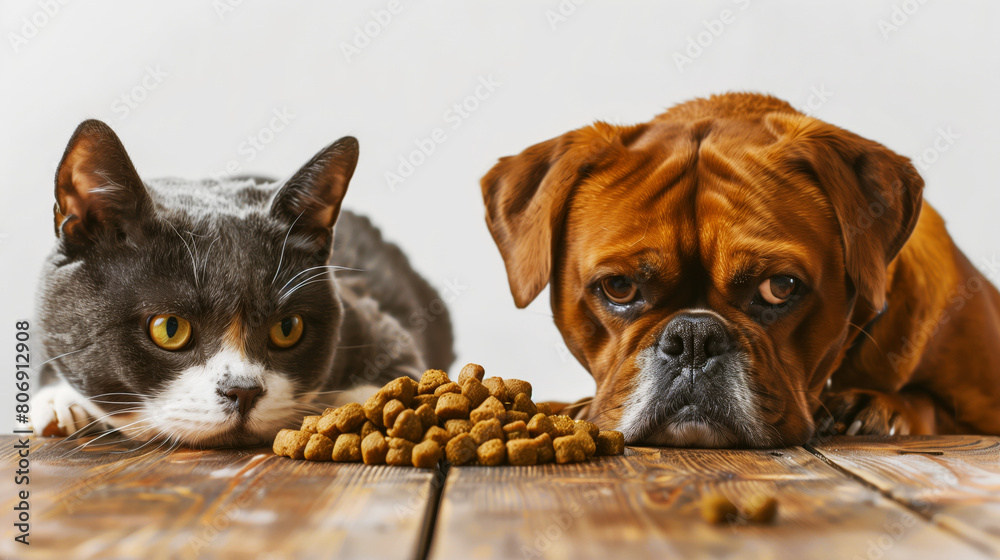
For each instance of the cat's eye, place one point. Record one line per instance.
(169, 332)
(286, 332)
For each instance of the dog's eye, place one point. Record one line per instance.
(286, 332)
(619, 289)
(778, 289)
(169, 332)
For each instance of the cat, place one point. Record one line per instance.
(214, 313)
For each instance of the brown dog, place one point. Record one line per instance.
(735, 273)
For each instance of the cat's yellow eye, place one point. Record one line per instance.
(170, 332)
(286, 332)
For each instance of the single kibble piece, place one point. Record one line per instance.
(291, 443)
(487, 430)
(429, 400)
(516, 386)
(451, 406)
(461, 449)
(368, 427)
(438, 434)
(497, 388)
(431, 380)
(569, 449)
(427, 417)
(329, 411)
(760, 508)
(515, 430)
(319, 448)
(610, 442)
(475, 391)
(391, 411)
(449, 387)
(544, 408)
(717, 509)
(426, 454)
(374, 448)
(589, 446)
(327, 425)
(457, 426)
(491, 453)
(350, 417)
(589, 427)
(402, 389)
(518, 416)
(309, 424)
(400, 453)
(546, 453)
(471, 371)
(565, 426)
(491, 408)
(522, 452)
(347, 449)
(407, 426)
(541, 424)
(373, 408)
(522, 403)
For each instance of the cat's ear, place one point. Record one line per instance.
(97, 188)
(311, 198)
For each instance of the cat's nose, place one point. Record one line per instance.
(242, 398)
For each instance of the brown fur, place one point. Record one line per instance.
(715, 194)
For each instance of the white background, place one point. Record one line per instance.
(226, 72)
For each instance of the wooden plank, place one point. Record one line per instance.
(646, 505)
(954, 480)
(107, 502)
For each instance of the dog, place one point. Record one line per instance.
(735, 273)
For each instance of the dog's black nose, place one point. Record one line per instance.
(691, 339)
(241, 398)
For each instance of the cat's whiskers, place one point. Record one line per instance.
(299, 286)
(101, 419)
(194, 261)
(327, 266)
(62, 355)
(281, 258)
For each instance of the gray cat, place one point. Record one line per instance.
(212, 313)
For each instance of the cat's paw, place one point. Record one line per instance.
(59, 410)
(858, 412)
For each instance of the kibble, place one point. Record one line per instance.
(760, 508)
(610, 443)
(426, 454)
(476, 420)
(318, 448)
(717, 509)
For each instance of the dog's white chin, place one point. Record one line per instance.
(690, 434)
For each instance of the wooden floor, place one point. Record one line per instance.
(877, 498)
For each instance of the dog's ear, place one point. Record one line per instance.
(311, 199)
(97, 187)
(876, 194)
(526, 198)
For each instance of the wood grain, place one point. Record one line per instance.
(646, 505)
(953, 480)
(107, 502)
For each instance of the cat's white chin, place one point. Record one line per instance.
(190, 409)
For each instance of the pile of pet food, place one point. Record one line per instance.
(481, 421)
